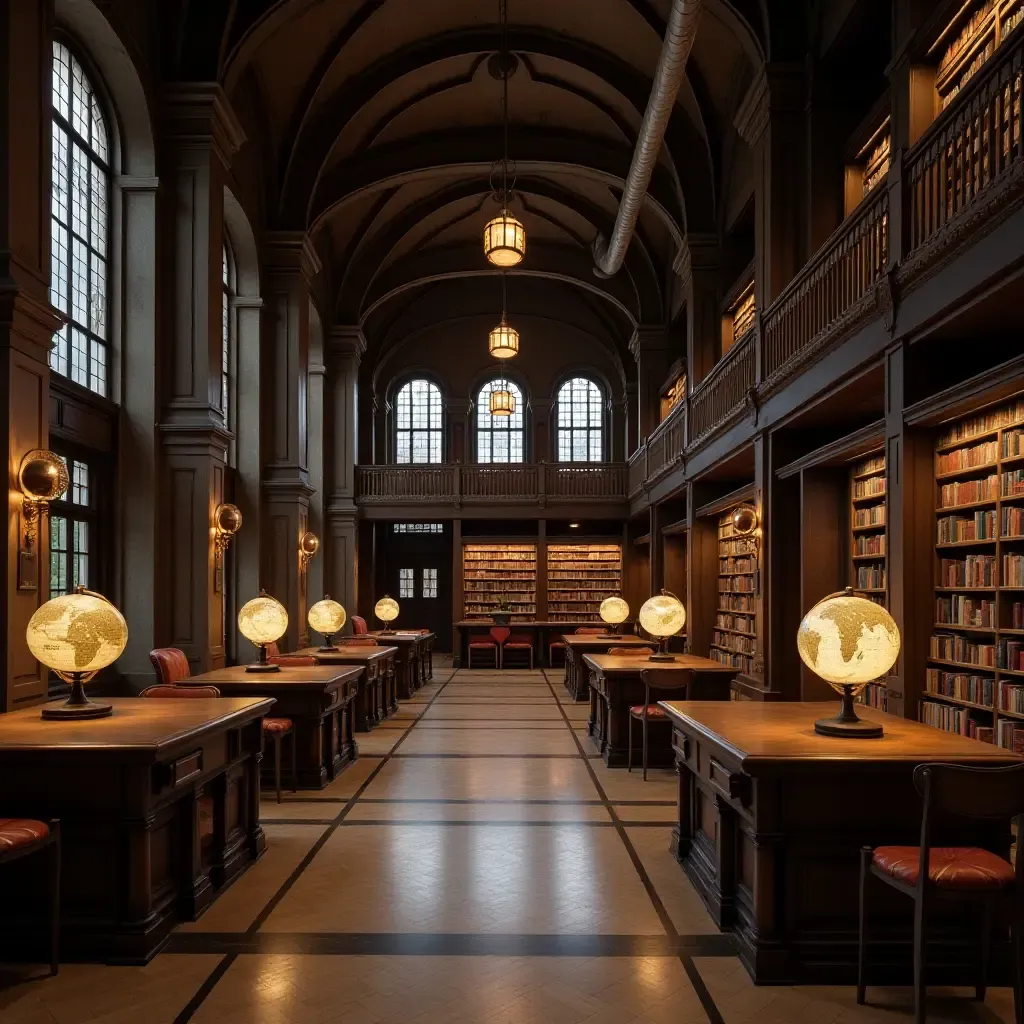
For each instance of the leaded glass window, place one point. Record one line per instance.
(418, 433)
(406, 583)
(580, 413)
(79, 225)
(70, 522)
(499, 438)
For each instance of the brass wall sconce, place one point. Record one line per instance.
(745, 523)
(42, 478)
(309, 545)
(227, 521)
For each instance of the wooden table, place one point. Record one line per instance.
(772, 817)
(377, 696)
(542, 632)
(615, 686)
(318, 698)
(578, 644)
(159, 809)
(414, 661)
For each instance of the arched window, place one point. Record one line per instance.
(228, 292)
(79, 225)
(580, 413)
(418, 422)
(499, 438)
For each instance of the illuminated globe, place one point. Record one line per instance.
(263, 620)
(386, 609)
(848, 640)
(662, 615)
(326, 617)
(77, 634)
(614, 610)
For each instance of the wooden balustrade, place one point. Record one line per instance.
(831, 290)
(406, 483)
(973, 146)
(666, 445)
(637, 470)
(495, 482)
(593, 481)
(723, 390)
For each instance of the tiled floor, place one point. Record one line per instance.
(477, 865)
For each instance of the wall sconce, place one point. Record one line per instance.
(745, 523)
(42, 478)
(227, 521)
(309, 545)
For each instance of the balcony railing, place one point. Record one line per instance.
(974, 146)
(482, 484)
(723, 390)
(831, 290)
(666, 445)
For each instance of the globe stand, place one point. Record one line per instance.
(77, 706)
(329, 646)
(846, 723)
(385, 630)
(612, 634)
(662, 653)
(262, 665)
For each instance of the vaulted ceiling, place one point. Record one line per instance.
(378, 125)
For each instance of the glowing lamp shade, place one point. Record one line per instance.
(262, 621)
(309, 544)
(662, 616)
(326, 617)
(504, 240)
(744, 520)
(614, 610)
(76, 635)
(502, 403)
(43, 476)
(503, 341)
(848, 641)
(386, 609)
(227, 519)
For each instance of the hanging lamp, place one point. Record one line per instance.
(502, 401)
(504, 236)
(503, 341)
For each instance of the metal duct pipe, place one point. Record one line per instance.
(679, 33)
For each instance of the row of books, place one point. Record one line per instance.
(867, 488)
(953, 647)
(1011, 735)
(736, 603)
(954, 719)
(875, 696)
(1011, 655)
(732, 642)
(735, 584)
(745, 564)
(967, 458)
(1011, 697)
(741, 623)
(972, 571)
(1013, 570)
(873, 465)
(1017, 615)
(869, 544)
(741, 661)
(1012, 444)
(980, 526)
(1012, 521)
(584, 574)
(1012, 482)
(499, 574)
(497, 587)
(983, 423)
(873, 516)
(961, 686)
(966, 492)
(871, 577)
(961, 610)
(737, 546)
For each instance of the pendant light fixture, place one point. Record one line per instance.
(502, 402)
(504, 236)
(503, 341)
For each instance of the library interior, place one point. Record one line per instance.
(515, 511)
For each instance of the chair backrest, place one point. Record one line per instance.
(499, 634)
(358, 625)
(519, 638)
(632, 652)
(357, 641)
(166, 690)
(667, 678)
(273, 651)
(292, 660)
(592, 630)
(170, 664)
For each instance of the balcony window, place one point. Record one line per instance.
(499, 438)
(418, 430)
(580, 413)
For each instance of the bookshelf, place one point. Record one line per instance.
(500, 575)
(868, 570)
(975, 676)
(734, 640)
(580, 577)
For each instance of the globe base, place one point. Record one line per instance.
(262, 667)
(328, 649)
(607, 636)
(68, 712)
(857, 729)
(661, 656)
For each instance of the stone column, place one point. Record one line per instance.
(27, 321)
(201, 133)
(651, 348)
(317, 449)
(630, 419)
(698, 269)
(290, 264)
(772, 120)
(345, 346)
(458, 428)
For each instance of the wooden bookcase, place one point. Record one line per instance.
(975, 677)
(868, 546)
(497, 575)
(734, 639)
(580, 577)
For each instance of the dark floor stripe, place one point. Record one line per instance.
(468, 800)
(483, 823)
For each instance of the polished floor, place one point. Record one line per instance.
(477, 865)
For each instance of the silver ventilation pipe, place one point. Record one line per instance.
(682, 27)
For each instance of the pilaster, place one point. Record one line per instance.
(458, 412)
(699, 272)
(652, 349)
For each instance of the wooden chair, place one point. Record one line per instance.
(292, 660)
(492, 645)
(558, 645)
(662, 679)
(22, 837)
(273, 650)
(590, 630)
(358, 641)
(171, 665)
(170, 690)
(632, 652)
(359, 625)
(927, 872)
(516, 644)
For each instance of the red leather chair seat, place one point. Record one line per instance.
(653, 711)
(483, 643)
(170, 664)
(590, 630)
(949, 867)
(358, 641)
(180, 691)
(277, 724)
(292, 660)
(15, 832)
